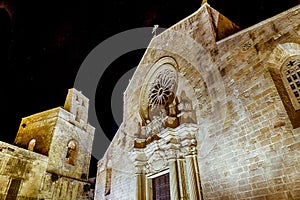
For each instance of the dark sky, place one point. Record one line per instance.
(43, 43)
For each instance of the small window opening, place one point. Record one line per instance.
(71, 153)
(78, 114)
(31, 144)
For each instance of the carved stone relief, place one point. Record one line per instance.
(157, 162)
(187, 113)
(158, 101)
(159, 90)
(160, 106)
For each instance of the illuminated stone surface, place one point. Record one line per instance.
(229, 127)
(44, 171)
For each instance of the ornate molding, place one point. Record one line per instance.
(159, 88)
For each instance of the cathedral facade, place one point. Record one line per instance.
(51, 154)
(212, 112)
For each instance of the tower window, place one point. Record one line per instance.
(78, 114)
(31, 145)
(71, 152)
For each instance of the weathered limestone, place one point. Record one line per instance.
(52, 154)
(174, 190)
(193, 177)
(216, 109)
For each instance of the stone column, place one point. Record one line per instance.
(139, 194)
(174, 193)
(197, 171)
(191, 170)
(149, 189)
(139, 160)
(181, 179)
(191, 178)
(171, 153)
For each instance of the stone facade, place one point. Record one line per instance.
(52, 154)
(211, 113)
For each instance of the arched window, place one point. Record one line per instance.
(71, 152)
(291, 79)
(31, 144)
(284, 67)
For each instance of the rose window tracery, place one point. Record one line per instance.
(161, 92)
(159, 89)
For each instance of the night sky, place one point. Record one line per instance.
(43, 43)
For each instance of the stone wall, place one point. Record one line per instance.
(118, 159)
(27, 170)
(54, 186)
(248, 147)
(40, 127)
(257, 153)
(20, 164)
(122, 187)
(53, 154)
(53, 129)
(67, 129)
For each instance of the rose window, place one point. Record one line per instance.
(162, 89)
(159, 88)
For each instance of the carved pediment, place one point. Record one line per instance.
(157, 162)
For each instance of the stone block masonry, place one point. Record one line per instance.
(242, 89)
(52, 154)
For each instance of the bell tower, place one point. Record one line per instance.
(63, 134)
(77, 104)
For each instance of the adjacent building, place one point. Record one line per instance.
(51, 154)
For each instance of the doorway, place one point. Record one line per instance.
(161, 187)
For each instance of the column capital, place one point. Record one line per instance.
(171, 154)
(192, 149)
(139, 160)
